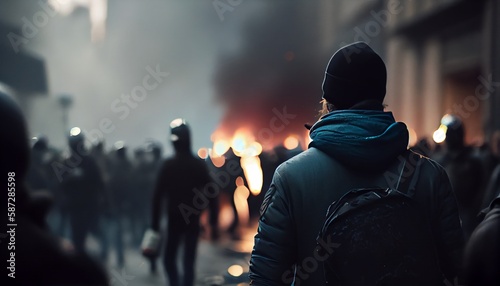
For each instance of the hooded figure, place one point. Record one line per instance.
(183, 181)
(355, 144)
(465, 171)
(84, 193)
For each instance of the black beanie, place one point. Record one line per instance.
(355, 73)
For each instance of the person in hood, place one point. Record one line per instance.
(354, 145)
(84, 194)
(183, 181)
(465, 170)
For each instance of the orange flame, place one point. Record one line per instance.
(221, 147)
(253, 173)
(244, 146)
(203, 153)
(240, 200)
(217, 160)
(241, 141)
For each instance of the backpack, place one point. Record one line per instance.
(381, 238)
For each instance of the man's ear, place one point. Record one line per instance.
(330, 107)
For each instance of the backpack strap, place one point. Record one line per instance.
(416, 174)
(409, 181)
(401, 174)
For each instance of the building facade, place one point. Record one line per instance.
(442, 57)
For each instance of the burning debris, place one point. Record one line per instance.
(266, 85)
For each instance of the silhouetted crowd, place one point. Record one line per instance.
(109, 195)
(473, 170)
(96, 192)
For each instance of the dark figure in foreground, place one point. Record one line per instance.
(482, 255)
(182, 181)
(354, 145)
(40, 258)
(464, 169)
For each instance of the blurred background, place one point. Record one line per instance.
(229, 63)
(246, 75)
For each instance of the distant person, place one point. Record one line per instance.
(182, 177)
(141, 194)
(40, 257)
(465, 171)
(423, 147)
(120, 193)
(355, 144)
(214, 205)
(229, 189)
(98, 153)
(38, 172)
(493, 187)
(84, 192)
(154, 152)
(42, 179)
(143, 175)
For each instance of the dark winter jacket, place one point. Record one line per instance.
(183, 181)
(350, 149)
(465, 171)
(482, 255)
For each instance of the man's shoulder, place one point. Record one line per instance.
(431, 173)
(311, 164)
(299, 161)
(425, 162)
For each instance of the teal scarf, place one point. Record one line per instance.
(362, 139)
